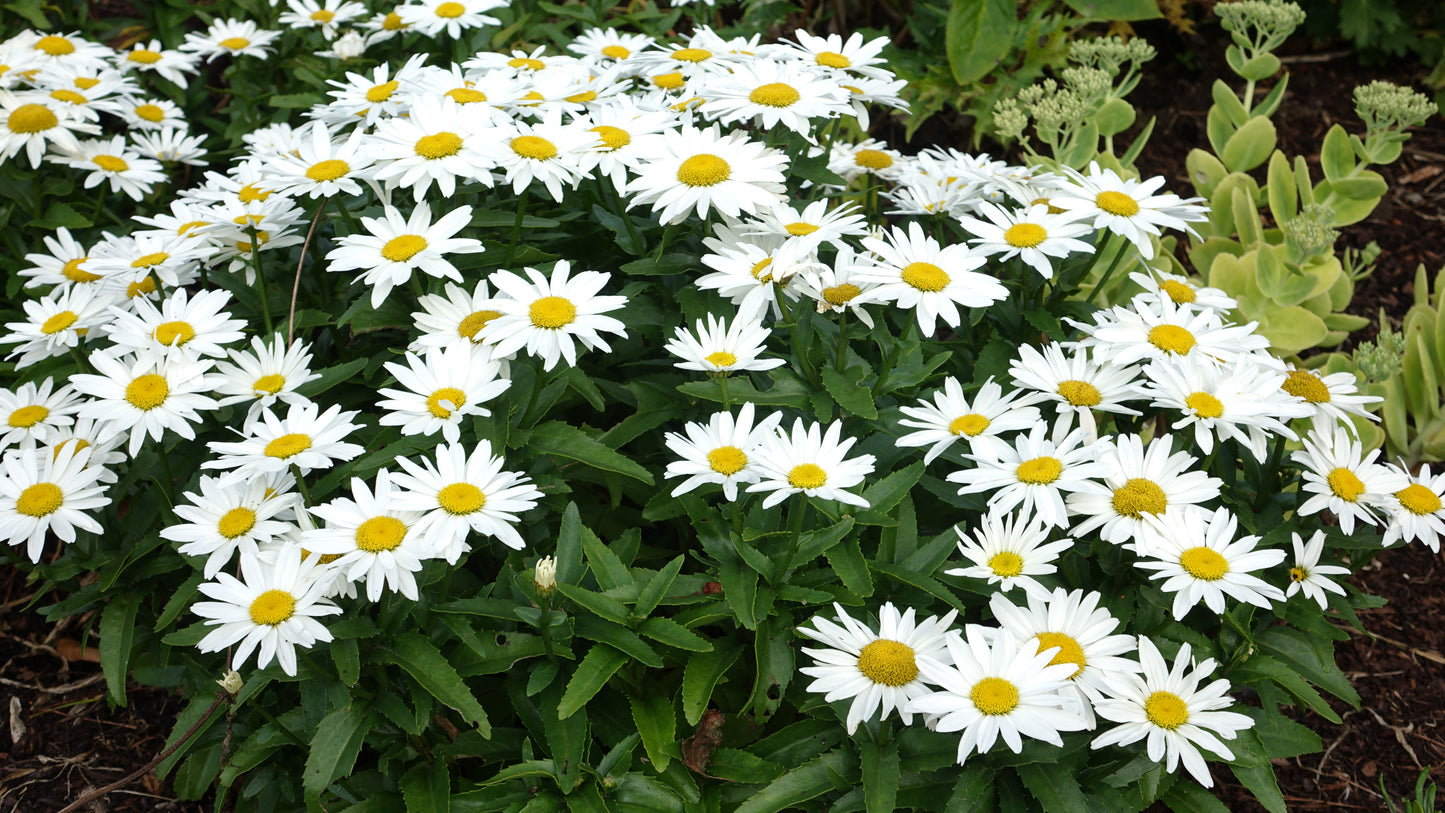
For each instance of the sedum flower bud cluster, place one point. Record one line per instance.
(1380, 359)
(1312, 231)
(1385, 106)
(1260, 26)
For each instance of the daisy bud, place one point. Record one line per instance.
(231, 683)
(544, 577)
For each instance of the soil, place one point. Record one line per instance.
(69, 739)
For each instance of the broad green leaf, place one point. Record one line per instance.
(59, 215)
(977, 36)
(607, 568)
(567, 737)
(800, 784)
(700, 677)
(1283, 197)
(427, 788)
(973, 792)
(736, 765)
(848, 562)
(609, 608)
(657, 723)
(607, 632)
(880, 776)
(1191, 797)
(814, 543)
(1250, 146)
(927, 584)
(117, 638)
(1367, 186)
(427, 666)
(850, 393)
(656, 588)
(347, 656)
(667, 631)
(563, 440)
(1253, 770)
(194, 711)
(1337, 157)
(1126, 10)
(1228, 103)
(1260, 67)
(600, 664)
(1055, 788)
(1294, 648)
(1293, 329)
(883, 495)
(333, 752)
(1282, 737)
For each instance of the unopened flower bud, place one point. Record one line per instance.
(544, 577)
(232, 683)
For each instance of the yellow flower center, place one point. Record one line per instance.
(1305, 384)
(691, 55)
(58, 322)
(800, 229)
(669, 81)
(807, 475)
(66, 95)
(971, 424)
(1166, 710)
(445, 401)
(466, 95)
(888, 662)
(55, 46)
(994, 696)
(461, 498)
(775, 94)
(833, 59)
(288, 446)
(436, 146)
(841, 294)
(323, 16)
(147, 392)
(1298, 574)
(234, 43)
(526, 63)
(552, 312)
(1205, 405)
(534, 147)
(1069, 650)
(393, 22)
(270, 383)
(727, 460)
(1418, 499)
(1345, 484)
(759, 267)
(328, 170)
(1179, 292)
(236, 522)
(472, 325)
(1117, 203)
(81, 444)
(144, 56)
(1171, 339)
(86, 82)
(1006, 564)
(1205, 564)
(1040, 471)
(1138, 497)
(403, 247)
(613, 138)
(382, 92)
(150, 112)
(39, 500)
(1025, 235)
(27, 416)
(380, 534)
(532, 96)
(704, 169)
(925, 276)
(250, 193)
(151, 260)
(174, 334)
(721, 358)
(272, 607)
(873, 159)
(145, 287)
(31, 118)
(72, 271)
(1080, 393)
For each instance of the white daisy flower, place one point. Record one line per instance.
(48, 490)
(1168, 708)
(33, 413)
(151, 115)
(1332, 398)
(878, 670)
(722, 451)
(263, 376)
(95, 437)
(548, 317)
(1160, 329)
(1007, 690)
(815, 224)
(848, 58)
(608, 46)
(55, 324)
(980, 424)
(131, 260)
(146, 395)
(441, 390)
(62, 263)
(1242, 402)
(1415, 511)
(1128, 208)
(456, 318)
(393, 248)
(375, 537)
(1034, 235)
(837, 287)
(306, 438)
(184, 326)
(1339, 476)
(720, 348)
(1308, 576)
(1034, 473)
(1076, 384)
(625, 134)
(870, 157)
(703, 170)
(769, 93)
(230, 38)
(172, 146)
(114, 161)
(327, 16)
(811, 462)
(755, 273)
(230, 515)
(269, 610)
(914, 272)
(1199, 558)
(152, 56)
(365, 100)
(1141, 482)
(32, 122)
(434, 18)
(1182, 291)
(1010, 549)
(463, 492)
(322, 165)
(547, 151)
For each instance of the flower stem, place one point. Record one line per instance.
(301, 484)
(260, 281)
(796, 512)
(517, 227)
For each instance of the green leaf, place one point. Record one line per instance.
(667, 631)
(425, 663)
(657, 723)
(1367, 186)
(736, 765)
(117, 638)
(701, 676)
(1189, 797)
(1283, 197)
(927, 584)
(1056, 789)
(973, 792)
(1256, 773)
(1260, 67)
(607, 568)
(848, 562)
(606, 632)
(296, 100)
(1295, 649)
(1126, 10)
(600, 664)
(563, 440)
(1337, 157)
(567, 738)
(347, 656)
(848, 390)
(427, 788)
(977, 36)
(1250, 145)
(656, 588)
(334, 748)
(885, 494)
(1283, 737)
(608, 608)
(1262, 666)
(60, 215)
(31, 10)
(800, 784)
(880, 776)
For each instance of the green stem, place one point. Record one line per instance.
(301, 484)
(1120, 251)
(544, 626)
(910, 326)
(261, 281)
(797, 510)
(726, 401)
(351, 226)
(168, 483)
(1248, 98)
(516, 227)
(840, 356)
(614, 202)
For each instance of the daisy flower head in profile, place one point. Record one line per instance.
(880, 670)
(435, 18)
(394, 247)
(458, 317)
(171, 146)
(1034, 472)
(722, 451)
(1160, 329)
(1034, 235)
(811, 462)
(703, 170)
(1168, 708)
(1340, 477)
(230, 38)
(1241, 402)
(171, 259)
(1182, 291)
(1308, 576)
(1010, 549)
(869, 157)
(815, 224)
(32, 413)
(1004, 689)
(1332, 397)
(720, 348)
(58, 322)
(374, 537)
(441, 389)
(115, 162)
(769, 93)
(1417, 512)
(1141, 481)
(185, 325)
(48, 490)
(30, 122)
(326, 16)
(608, 46)
(270, 610)
(146, 395)
(1076, 384)
(1128, 208)
(951, 418)
(913, 271)
(839, 286)
(1197, 555)
(1079, 633)
(95, 437)
(848, 58)
(549, 316)
(756, 273)
(62, 262)
(227, 516)
(264, 375)
(154, 57)
(460, 492)
(306, 438)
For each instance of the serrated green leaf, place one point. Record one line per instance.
(847, 561)
(607, 568)
(607, 632)
(1283, 737)
(608, 608)
(881, 774)
(657, 723)
(1297, 650)
(667, 631)
(800, 784)
(1253, 770)
(334, 748)
(850, 393)
(656, 588)
(600, 664)
(425, 663)
(701, 676)
(973, 792)
(927, 584)
(977, 36)
(1190, 797)
(427, 788)
(564, 440)
(567, 737)
(117, 638)
(736, 765)
(1057, 790)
